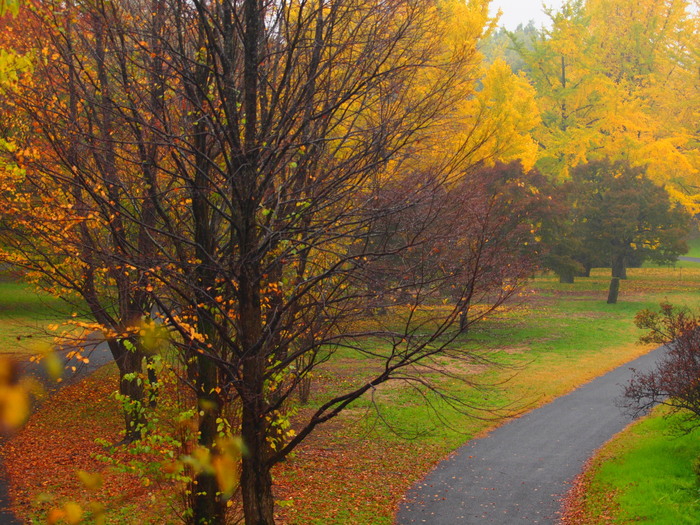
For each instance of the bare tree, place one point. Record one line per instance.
(243, 160)
(298, 140)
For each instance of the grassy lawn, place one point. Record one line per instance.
(694, 247)
(360, 464)
(24, 316)
(559, 337)
(643, 474)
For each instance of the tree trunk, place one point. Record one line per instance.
(208, 508)
(614, 290)
(586, 272)
(619, 267)
(464, 314)
(464, 319)
(256, 480)
(130, 367)
(566, 276)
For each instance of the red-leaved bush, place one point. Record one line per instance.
(675, 380)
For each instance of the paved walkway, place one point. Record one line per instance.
(521, 470)
(98, 357)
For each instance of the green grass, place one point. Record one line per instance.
(694, 247)
(645, 475)
(17, 298)
(560, 336)
(24, 316)
(557, 338)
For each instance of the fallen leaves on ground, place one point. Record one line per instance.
(581, 507)
(51, 462)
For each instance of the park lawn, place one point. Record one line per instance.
(558, 338)
(555, 338)
(25, 316)
(694, 246)
(643, 474)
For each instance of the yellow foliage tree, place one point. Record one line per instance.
(645, 50)
(618, 80)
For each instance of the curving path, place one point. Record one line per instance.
(99, 356)
(521, 470)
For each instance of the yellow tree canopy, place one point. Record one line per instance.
(617, 79)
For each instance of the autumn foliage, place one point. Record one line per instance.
(236, 192)
(224, 172)
(674, 381)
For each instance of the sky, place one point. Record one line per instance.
(522, 11)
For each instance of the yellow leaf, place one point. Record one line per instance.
(14, 403)
(226, 468)
(89, 480)
(73, 513)
(53, 365)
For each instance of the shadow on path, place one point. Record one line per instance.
(519, 473)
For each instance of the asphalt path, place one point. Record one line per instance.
(98, 356)
(519, 473)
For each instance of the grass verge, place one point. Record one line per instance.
(643, 474)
